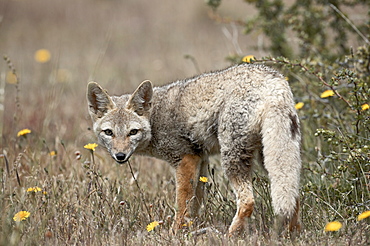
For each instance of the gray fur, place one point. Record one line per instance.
(236, 112)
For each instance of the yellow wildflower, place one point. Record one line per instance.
(53, 153)
(11, 78)
(327, 93)
(23, 132)
(22, 215)
(333, 226)
(203, 179)
(152, 225)
(365, 107)
(42, 55)
(188, 224)
(34, 189)
(91, 146)
(248, 59)
(299, 105)
(363, 215)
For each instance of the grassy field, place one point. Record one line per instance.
(78, 197)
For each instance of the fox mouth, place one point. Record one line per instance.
(120, 162)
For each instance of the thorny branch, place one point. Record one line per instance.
(306, 69)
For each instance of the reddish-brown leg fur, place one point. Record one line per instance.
(294, 224)
(187, 173)
(245, 204)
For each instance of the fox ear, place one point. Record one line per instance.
(98, 100)
(141, 100)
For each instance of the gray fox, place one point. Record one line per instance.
(241, 112)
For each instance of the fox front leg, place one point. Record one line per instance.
(187, 175)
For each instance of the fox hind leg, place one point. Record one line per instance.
(239, 139)
(294, 223)
(238, 171)
(288, 225)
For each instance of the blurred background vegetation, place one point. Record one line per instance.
(51, 49)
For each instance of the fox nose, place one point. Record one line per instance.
(120, 156)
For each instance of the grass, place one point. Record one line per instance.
(93, 201)
(88, 199)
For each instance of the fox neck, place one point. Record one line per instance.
(153, 145)
(142, 148)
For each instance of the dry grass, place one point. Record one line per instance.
(87, 201)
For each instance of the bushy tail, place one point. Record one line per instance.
(281, 149)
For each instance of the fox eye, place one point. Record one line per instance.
(133, 132)
(108, 132)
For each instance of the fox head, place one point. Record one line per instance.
(121, 123)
